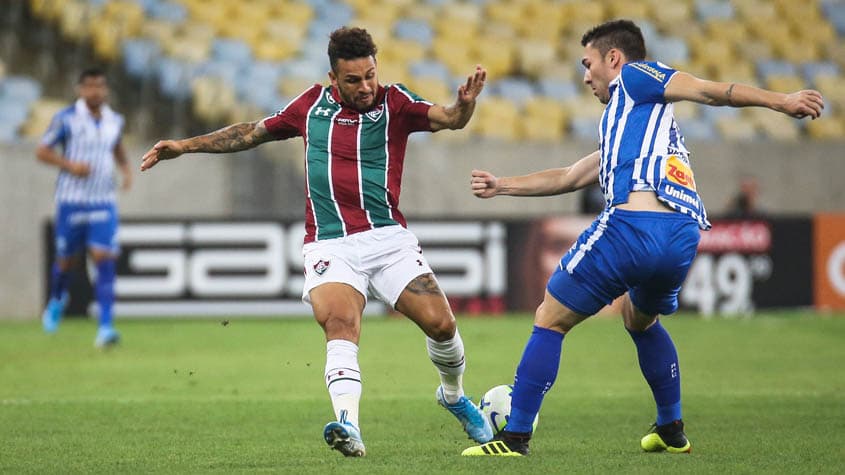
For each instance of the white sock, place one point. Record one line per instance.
(448, 357)
(343, 378)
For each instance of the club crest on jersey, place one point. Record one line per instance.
(375, 114)
(321, 267)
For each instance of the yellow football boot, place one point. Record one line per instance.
(668, 437)
(506, 444)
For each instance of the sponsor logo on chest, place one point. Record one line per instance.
(346, 121)
(679, 172)
(373, 116)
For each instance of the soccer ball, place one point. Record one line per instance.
(496, 407)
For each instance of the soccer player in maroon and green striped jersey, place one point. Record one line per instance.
(355, 132)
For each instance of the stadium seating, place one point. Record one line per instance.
(233, 56)
(17, 96)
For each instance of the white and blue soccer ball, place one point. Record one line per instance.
(496, 407)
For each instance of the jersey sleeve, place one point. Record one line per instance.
(646, 82)
(410, 109)
(290, 121)
(56, 132)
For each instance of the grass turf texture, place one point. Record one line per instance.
(765, 394)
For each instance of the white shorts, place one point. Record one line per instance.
(382, 261)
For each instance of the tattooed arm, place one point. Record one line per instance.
(686, 87)
(233, 138)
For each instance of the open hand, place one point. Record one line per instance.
(163, 150)
(472, 88)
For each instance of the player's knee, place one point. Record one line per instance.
(637, 321)
(65, 263)
(558, 325)
(99, 255)
(340, 325)
(634, 319)
(640, 324)
(552, 318)
(440, 329)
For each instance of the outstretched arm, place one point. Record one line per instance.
(554, 181)
(233, 138)
(686, 87)
(458, 114)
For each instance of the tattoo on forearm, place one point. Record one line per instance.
(233, 138)
(729, 93)
(424, 285)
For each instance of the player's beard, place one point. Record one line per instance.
(356, 103)
(366, 106)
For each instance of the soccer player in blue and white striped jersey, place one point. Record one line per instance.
(84, 142)
(643, 243)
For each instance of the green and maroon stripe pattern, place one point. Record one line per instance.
(353, 160)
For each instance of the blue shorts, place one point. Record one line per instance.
(645, 252)
(86, 226)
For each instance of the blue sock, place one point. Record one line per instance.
(659, 364)
(104, 290)
(535, 375)
(58, 282)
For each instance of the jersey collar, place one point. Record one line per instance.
(82, 108)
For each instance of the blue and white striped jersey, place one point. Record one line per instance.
(642, 148)
(83, 138)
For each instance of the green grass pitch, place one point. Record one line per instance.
(761, 395)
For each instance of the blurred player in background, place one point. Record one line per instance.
(744, 204)
(642, 245)
(84, 142)
(355, 132)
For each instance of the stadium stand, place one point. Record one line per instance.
(229, 58)
(18, 95)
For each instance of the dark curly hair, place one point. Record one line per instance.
(623, 35)
(93, 72)
(350, 43)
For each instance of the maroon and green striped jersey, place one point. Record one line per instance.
(353, 160)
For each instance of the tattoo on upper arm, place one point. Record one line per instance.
(729, 92)
(424, 285)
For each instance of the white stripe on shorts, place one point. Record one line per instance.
(579, 254)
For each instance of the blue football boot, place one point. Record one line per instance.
(473, 421)
(53, 314)
(106, 337)
(344, 437)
